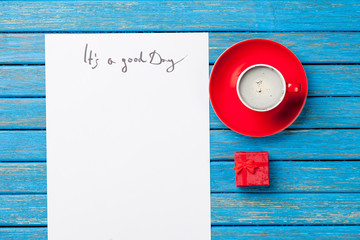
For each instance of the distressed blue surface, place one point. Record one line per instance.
(305, 15)
(310, 47)
(314, 167)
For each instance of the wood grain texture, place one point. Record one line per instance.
(327, 144)
(19, 233)
(22, 113)
(23, 210)
(179, 15)
(285, 176)
(322, 112)
(293, 176)
(310, 47)
(290, 144)
(22, 81)
(20, 178)
(227, 233)
(323, 80)
(285, 208)
(301, 192)
(286, 233)
(22, 48)
(333, 80)
(227, 209)
(22, 146)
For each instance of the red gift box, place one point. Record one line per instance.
(252, 169)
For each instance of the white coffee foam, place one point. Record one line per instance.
(261, 88)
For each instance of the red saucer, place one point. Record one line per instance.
(226, 103)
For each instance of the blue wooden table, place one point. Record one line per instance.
(315, 164)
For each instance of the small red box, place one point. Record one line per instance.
(251, 169)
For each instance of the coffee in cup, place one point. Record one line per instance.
(262, 87)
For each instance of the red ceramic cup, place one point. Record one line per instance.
(245, 117)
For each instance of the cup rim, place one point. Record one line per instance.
(261, 65)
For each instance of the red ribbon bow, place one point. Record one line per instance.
(241, 163)
(248, 165)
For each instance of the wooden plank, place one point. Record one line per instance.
(23, 210)
(22, 146)
(310, 47)
(227, 209)
(285, 176)
(22, 81)
(293, 176)
(227, 233)
(290, 144)
(322, 112)
(327, 144)
(285, 208)
(285, 232)
(333, 80)
(330, 113)
(22, 48)
(20, 233)
(323, 80)
(22, 113)
(176, 16)
(20, 178)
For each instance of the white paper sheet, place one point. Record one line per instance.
(128, 137)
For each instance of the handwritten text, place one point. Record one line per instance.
(92, 59)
